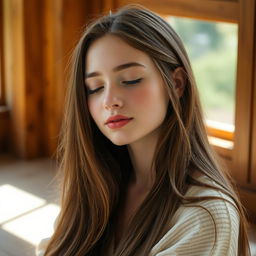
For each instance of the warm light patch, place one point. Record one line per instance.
(34, 226)
(221, 143)
(15, 202)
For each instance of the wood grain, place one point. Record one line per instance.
(253, 116)
(62, 31)
(53, 78)
(242, 136)
(33, 77)
(248, 198)
(2, 87)
(14, 72)
(4, 128)
(23, 74)
(200, 9)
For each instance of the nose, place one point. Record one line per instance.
(112, 100)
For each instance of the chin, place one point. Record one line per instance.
(120, 141)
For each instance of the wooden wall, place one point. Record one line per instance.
(38, 38)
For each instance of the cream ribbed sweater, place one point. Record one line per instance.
(192, 231)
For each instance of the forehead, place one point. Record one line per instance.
(110, 51)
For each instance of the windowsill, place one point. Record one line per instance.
(226, 144)
(223, 147)
(220, 130)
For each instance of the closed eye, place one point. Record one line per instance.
(132, 81)
(94, 91)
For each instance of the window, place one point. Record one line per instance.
(212, 48)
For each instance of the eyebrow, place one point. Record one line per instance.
(118, 68)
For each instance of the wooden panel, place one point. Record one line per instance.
(242, 138)
(224, 151)
(200, 9)
(64, 22)
(227, 163)
(253, 151)
(53, 72)
(23, 74)
(248, 199)
(4, 128)
(39, 37)
(34, 74)
(2, 89)
(14, 71)
(109, 5)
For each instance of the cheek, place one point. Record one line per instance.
(149, 96)
(93, 109)
(142, 97)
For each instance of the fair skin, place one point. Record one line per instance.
(143, 99)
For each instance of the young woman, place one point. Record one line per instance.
(139, 175)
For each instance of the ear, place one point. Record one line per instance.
(179, 77)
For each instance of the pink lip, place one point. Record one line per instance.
(117, 121)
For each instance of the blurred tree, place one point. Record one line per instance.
(212, 48)
(199, 37)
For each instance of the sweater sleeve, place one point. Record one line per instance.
(41, 247)
(210, 228)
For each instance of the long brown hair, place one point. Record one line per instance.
(95, 172)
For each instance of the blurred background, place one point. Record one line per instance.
(36, 42)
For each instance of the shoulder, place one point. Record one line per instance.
(41, 247)
(208, 227)
(219, 205)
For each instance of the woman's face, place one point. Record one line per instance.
(127, 96)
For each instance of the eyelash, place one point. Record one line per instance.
(131, 82)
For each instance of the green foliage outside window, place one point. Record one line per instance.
(212, 48)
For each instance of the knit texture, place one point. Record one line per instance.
(210, 227)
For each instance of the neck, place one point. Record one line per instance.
(141, 154)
